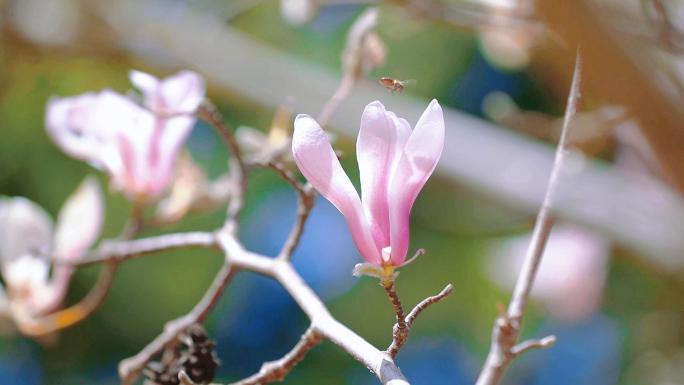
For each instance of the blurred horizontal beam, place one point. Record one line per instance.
(643, 215)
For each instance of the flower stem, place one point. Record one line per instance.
(400, 330)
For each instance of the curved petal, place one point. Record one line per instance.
(78, 226)
(182, 92)
(88, 127)
(79, 221)
(167, 146)
(317, 161)
(177, 94)
(25, 243)
(26, 229)
(417, 162)
(148, 85)
(135, 135)
(73, 125)
(380, 142)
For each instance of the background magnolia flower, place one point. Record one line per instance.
(572, 274)
(394, 164)
(28, 246)
(181, 93)
(136, 146)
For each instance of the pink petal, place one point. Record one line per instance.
(317, 161)
(80, 221)
(381, 140)
(148, 85)
(73, 125)
(134, 141)
(26, 229)
(169, 144)
(78, 226)
(87, 127)
(419, 159)
(25, 247)
(183, 92)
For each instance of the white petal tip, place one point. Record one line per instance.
(302, 116)
(367, 269)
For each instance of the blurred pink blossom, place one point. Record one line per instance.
(29, 246)
(394, 164)
(571, 276)
(136, 146)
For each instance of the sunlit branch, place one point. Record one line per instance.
(379, 362)
(130, 368)
(401, 330)
(424, 304)
(305, 202)
(210, 114)
(277, 370)
(124, 250)
(507, 326)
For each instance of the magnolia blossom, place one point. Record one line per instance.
(394, 164)
(137, 146)
(572, 274)
(29, 245)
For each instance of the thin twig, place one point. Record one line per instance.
(305, 202)
(400, 336)
(210, 114)
(354, 56)
(42, 325)
(32, 325)
(401, 329)
(123, 250)
(277, 370)
(507, 326)
(341, 93)
(130, 368)
(524, 346)
(424, 304)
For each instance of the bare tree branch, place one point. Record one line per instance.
(130, 368)
(322, 321)
(123, 250)
(524, 346)
(341, 93)
(424, 304)
(305, 202)
(507, 327)
(277, 370)
(210, 114)
(400, 331)
(356, 61)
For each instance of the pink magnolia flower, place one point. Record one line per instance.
(29, 244)
(136, 146)
(394, 164)
(572, 274)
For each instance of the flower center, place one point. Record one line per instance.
(388, 268)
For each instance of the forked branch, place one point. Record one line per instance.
(504, 348)
(277, 370)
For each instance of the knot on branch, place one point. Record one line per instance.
(192, 356)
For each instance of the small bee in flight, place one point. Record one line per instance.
(394, 84)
